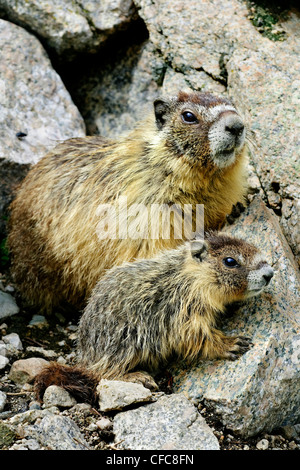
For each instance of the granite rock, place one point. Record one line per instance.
(25, 370)
(70, 27)
(3, 399)
(8, 305)
(13, 339)
(261, 390)
(171, 423)
(58, 396)
(36, 111)
(4, 361)
(273, 116)
(115, 93)
(58, 432)
(116, 394)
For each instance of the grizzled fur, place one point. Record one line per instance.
(57, 257)
(141, 314)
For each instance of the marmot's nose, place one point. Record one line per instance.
(234, 125)
(268, 274)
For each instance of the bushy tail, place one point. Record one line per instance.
(77, 381)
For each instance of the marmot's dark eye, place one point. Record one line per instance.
(230, 262)
(189, 117)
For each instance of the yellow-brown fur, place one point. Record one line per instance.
(57, 256)
(144, 313)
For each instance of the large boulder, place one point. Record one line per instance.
(261, 390)
(171, 423)
(36, 111)
(69, 27)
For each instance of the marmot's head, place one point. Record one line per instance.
(234, 269)
(201, 127)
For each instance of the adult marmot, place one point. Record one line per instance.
(141, 314)
(192, 152)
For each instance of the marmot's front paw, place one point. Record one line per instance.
(141, 377)
(239, 346)
(236, 211)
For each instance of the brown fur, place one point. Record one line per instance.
(57, 257)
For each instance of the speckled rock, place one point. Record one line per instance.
(70, 27)
(33, 99)
(8, 305)
(13, 340)
(3, 362)
(7, 435)
(58, 432)
(25, 370)
(58, 396)
(116, 394)
(171, 423)
(274, 70)
(3, 399)
(261, 390)
(115, 94)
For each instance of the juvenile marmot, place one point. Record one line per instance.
(143, 313)
(191, 151)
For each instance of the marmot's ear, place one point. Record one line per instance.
(198, 249)
(161, 108)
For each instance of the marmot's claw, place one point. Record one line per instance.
(242, 345)
(236, 211)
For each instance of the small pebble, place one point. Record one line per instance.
(38, 321)
(92, 427)
(104, 424)
(34, 405)
(14, 340)
(263, 444)
(2, 400)
(3, 362)
(9, 289)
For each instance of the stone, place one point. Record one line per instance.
(261, 390)
(290, 432)
(3, 351)
(58, 396)
(116, 394)
(7, 435)
(38, 321)
(33, 99)
(190, 46)
(171, 423)
(104, 424)
(3, 362)
(69, 27)
(8, 305)
(273, 117)
(263, 444)
(117, 93)
(46, 353)
(3, 399)
(58, 432)
(31, 416)
(25, 370)
(13, 339)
